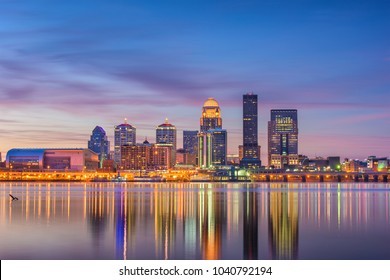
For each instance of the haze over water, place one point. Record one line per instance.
(194, 221)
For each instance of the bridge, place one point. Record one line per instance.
(320, 177)
(283, 176)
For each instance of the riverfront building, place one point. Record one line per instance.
(211, 115)
(146, 156)
(283, 138)
(99, 144)
(190, 141)
(251, 155)
(124, 134)
(190, 146)
(166, 134)
(52, 159)
(212, 139)
(212, 148)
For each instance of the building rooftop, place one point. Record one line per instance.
(211, 102)
(166, 124)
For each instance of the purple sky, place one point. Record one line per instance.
(68, 66)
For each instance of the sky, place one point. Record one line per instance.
(67, 66)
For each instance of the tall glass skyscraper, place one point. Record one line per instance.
(212, 148)
(251, 157)
(124, 134)
(99, 144)
(219, 146)
(190, 141)
(283, 138)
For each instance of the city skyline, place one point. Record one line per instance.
(62, 74)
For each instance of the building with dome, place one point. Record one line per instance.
(124, 134)
(211, 115)
(212, 139)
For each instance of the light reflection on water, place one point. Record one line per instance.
(194, 221)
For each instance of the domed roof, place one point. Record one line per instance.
(211, 102)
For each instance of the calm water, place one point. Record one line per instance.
(195, 221)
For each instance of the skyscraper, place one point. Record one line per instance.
(166, 134)
(190, 141)
(251, 156)
(219, 146)
(99, 144)
(190, 146)
(125, 134)
(205, 149)
(212, 139)
(283, 138)
(211, 115)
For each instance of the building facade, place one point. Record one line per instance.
(146, 157)
(211, 115)
(52, 160)
(283, 138)
(190, 141)
(205, 149)
(212, 139)
(166, 134)
(190, 146)
(219, 146)
(212, 148)
(124, 134)
(99, 144)
(251, 155)
(241, 151)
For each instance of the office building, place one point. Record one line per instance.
(241, 151)
(190, 141)
(190, 146)
(219, 146)
(146, 156)
(211, 115)
(283, 138)
(99, 144)
(124, 134)
(251, 155)
(212, 148)
(166, 134)
(204, 149)
(212, 139)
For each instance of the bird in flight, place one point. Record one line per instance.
(13, 197)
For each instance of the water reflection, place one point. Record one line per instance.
(283, 225)
(250, 226)
(194, 221)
